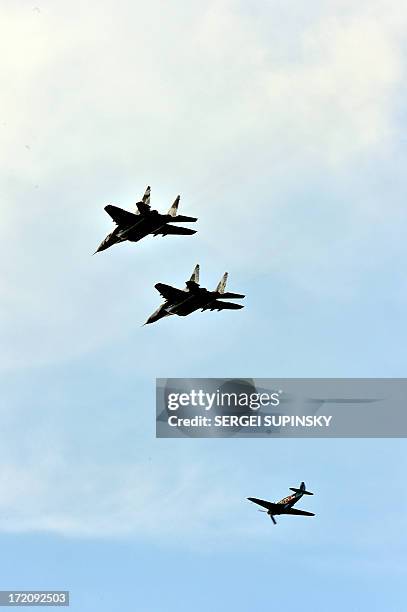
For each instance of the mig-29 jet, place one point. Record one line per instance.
(183, 302)
(134, 226)
(284, 506)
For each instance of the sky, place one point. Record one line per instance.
(283, 127)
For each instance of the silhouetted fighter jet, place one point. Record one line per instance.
(134, 226)
(184, 301)
(284, 506)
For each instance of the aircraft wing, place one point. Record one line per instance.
(170, 293)
(264, 503)
(173, 230)
(228, 294)
(218, 305)
(298, 512)
(120, 216)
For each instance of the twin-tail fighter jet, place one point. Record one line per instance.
(183, 302)
(285, 505)
(134, 226)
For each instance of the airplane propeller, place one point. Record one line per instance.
(270, 515)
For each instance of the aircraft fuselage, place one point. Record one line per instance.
(194, 300)
(146, 224)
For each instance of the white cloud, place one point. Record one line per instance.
(153, 84)
(144, 501)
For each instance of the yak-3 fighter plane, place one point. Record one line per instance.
(134, 226)
(285, 505)
(183, 302)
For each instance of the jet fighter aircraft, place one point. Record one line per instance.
(134, 226)
(183, 302)
(285, 505)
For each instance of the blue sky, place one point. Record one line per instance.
(283, 129)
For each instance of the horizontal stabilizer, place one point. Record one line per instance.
(218, 305)
(182, 219)
(302, 489)
(230, 295)
(174, 231)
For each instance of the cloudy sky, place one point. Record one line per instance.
(282, 125)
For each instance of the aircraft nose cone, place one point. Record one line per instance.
(157, 315)
(106, 243)
(102, 246)
(153, 318)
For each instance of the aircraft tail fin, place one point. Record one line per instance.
(147, 194)
(145, 200)
(302, 489)
(195, 275)
(174, 208)
(222, 283)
